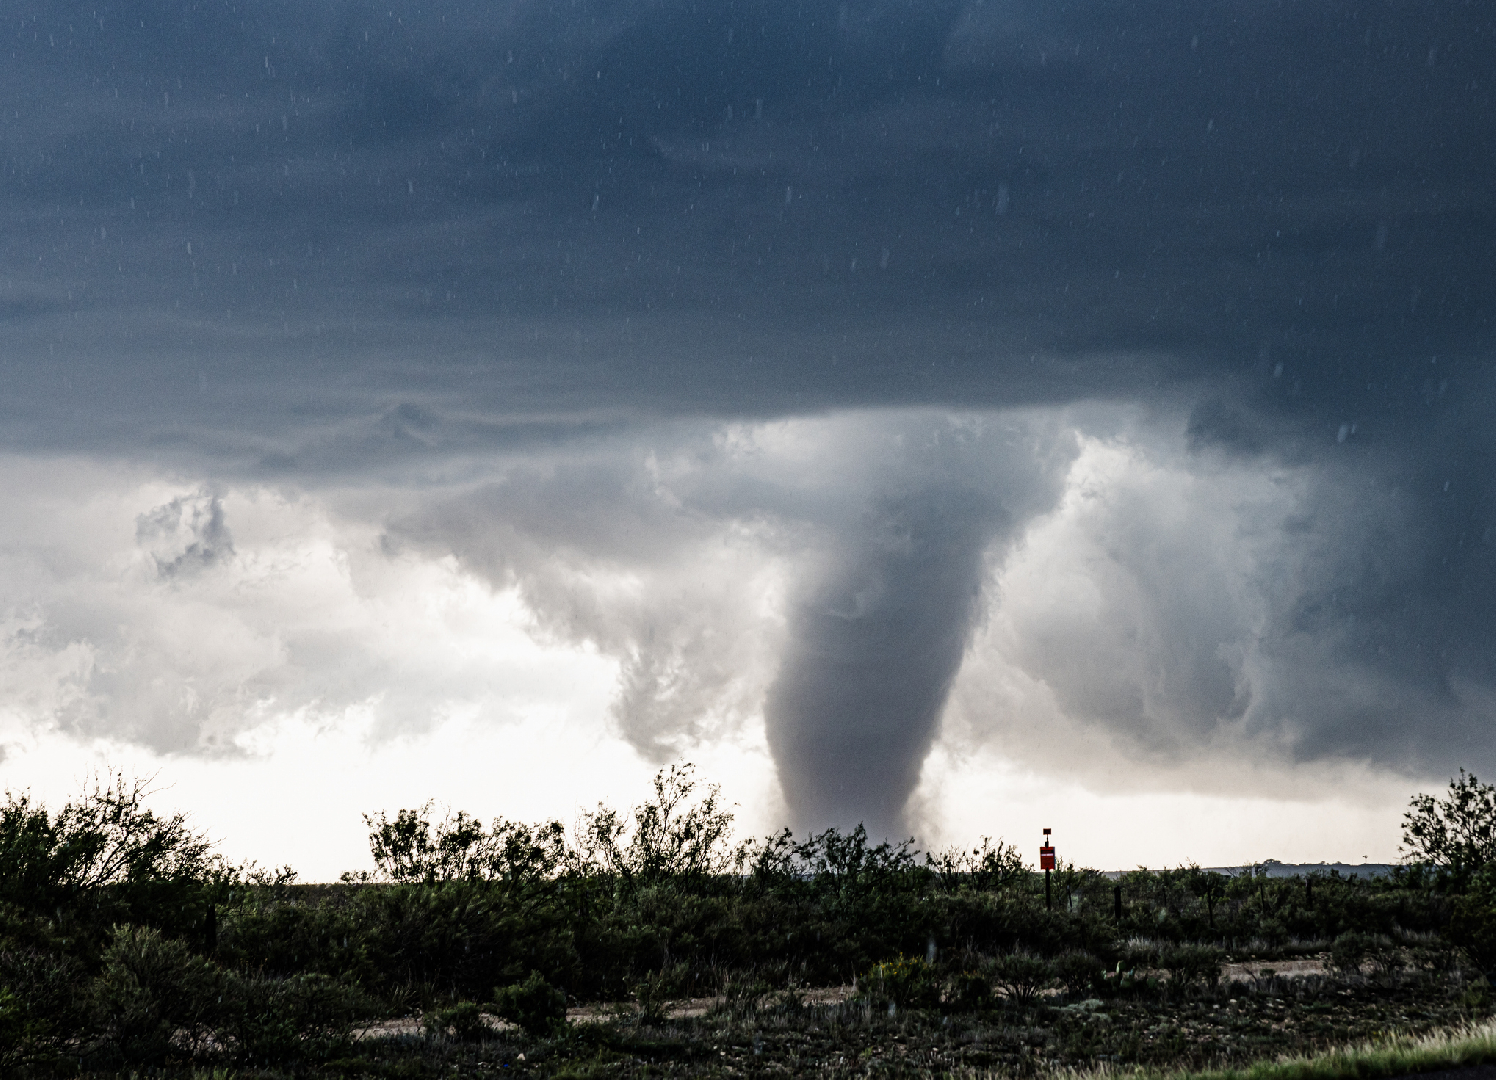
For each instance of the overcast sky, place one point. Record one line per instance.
(958, 417)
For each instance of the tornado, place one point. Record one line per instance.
(878, 630)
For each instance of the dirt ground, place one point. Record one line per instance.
(689, 1008)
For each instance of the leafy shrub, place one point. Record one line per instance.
(1472, 926)
(1455, 834)
(908, 982)
(984, 868)
(968, 991)
(1351, 950)
(1022, 976)
(152, 994)
(676, 835)
(1078, 971)
(1191, 965)
(655, 990)
(1472, 922)
(25, 1038)
(304, 1017)
(413, 848)
(40, 1010)
(106, 847)
(463, 1021)
(535, 1005)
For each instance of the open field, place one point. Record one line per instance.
(673, 953)
(1233, 1030)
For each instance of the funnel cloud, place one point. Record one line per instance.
(879, 627)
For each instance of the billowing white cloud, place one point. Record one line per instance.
(1084, 592)
(1195, 615)
(131, 615)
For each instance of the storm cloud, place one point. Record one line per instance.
(1125, 368)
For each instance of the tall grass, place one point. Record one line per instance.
(1393, 1056)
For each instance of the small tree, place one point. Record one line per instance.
(414, 848)
(1455, 834)
(129, 863)
(680, 833)
(411, 848)
(984, 868)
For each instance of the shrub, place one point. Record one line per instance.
(462, 1021)
(153, 994)
(39, 1001)
(908, 982)
(535, 1005)
(1078, 971)
(1352, 949)
(1022, 976)
(1472, 926)
(105, 859)
(968, 991)
(680, 834)
(1189, 965)
(655, 990)
(25, 1038)
(304, 1017)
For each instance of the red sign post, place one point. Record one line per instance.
(1046, 863)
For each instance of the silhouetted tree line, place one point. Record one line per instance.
(126, 940)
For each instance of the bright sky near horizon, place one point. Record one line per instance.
(955, 416)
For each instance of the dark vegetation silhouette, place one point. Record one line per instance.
(126, 942)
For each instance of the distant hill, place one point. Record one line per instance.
(1274, 869)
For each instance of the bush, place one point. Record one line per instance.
(1078, 971)
(1472, 926)
(463, 1021)
(1352, 949)
(1456, 834)
(654, 992)
(39, 1002)
(1189, 965)
(1022, 976)
(103, 859)
(25, 1038)
(153, 995)
(968, 991)
(680, 834)
(301, 1018)
(535, 1005)
(907, 982)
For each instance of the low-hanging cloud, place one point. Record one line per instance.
(822, 573)
(1182, 609)
(1129, 584)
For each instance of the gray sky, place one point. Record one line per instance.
(860, 380)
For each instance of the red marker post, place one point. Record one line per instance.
(1046, 863)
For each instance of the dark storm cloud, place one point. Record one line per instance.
(339, 240)
(761, 206)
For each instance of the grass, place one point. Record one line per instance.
(1276, 1030)
(1392, 1056)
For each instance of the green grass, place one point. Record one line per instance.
(1395, 1055)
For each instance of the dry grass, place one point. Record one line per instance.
(1394, 1056)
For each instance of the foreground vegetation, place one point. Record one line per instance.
(126, 943)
